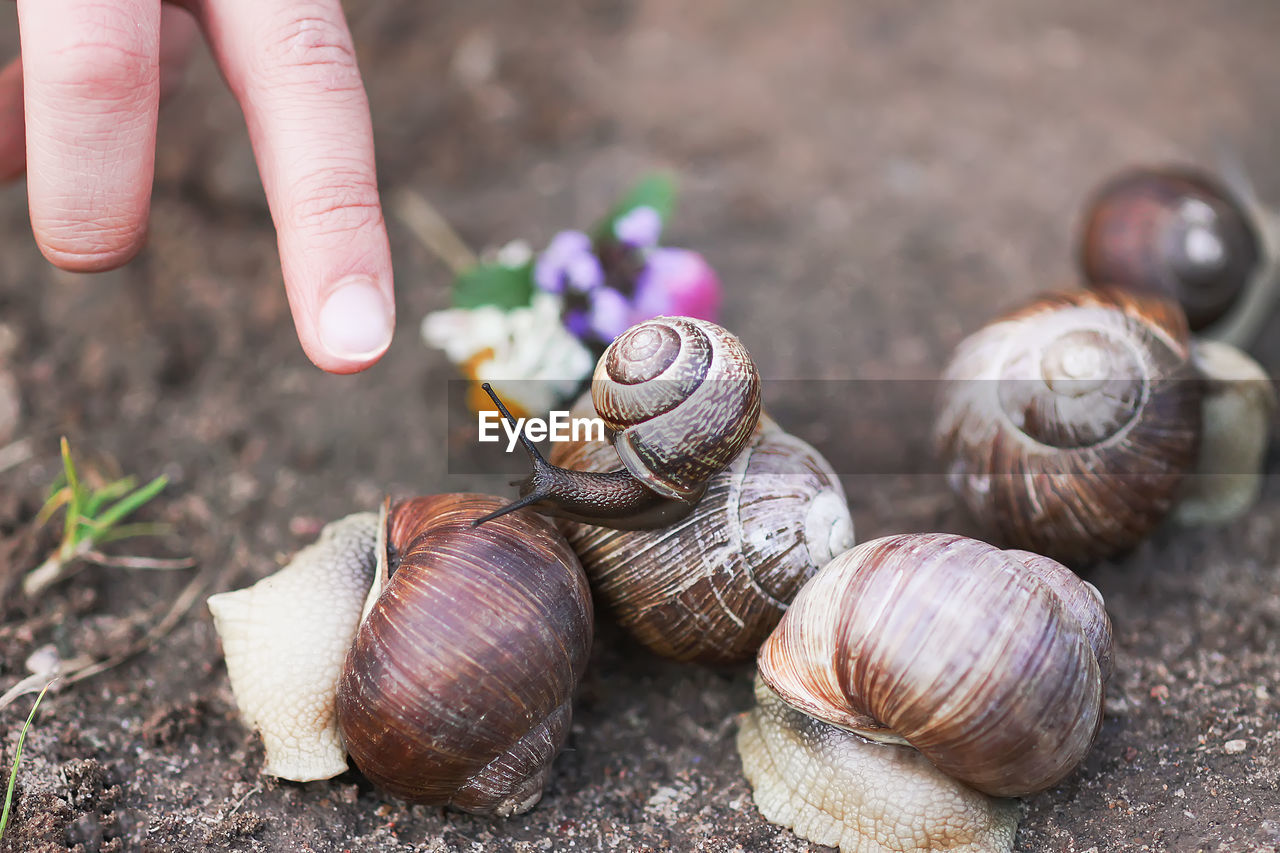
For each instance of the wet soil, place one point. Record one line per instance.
(872, 182)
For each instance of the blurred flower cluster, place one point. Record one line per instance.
(624, 277)
(534, 325)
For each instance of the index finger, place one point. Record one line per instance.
(292, 66)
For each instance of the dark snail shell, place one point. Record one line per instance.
(1069, 425)
(681, 398)
(458, 687)
(1171, 232)
(710, 587)
(990, 663)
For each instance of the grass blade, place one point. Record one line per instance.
(57, 499)
(17, 755)
(129, 503)
(109, 492)
(75, 494)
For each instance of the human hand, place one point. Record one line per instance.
(93, 71)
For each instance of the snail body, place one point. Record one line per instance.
(680, 398)
(989, 664)
(710, 587)
(455, 687)
(1071, 426)
(1180, 233)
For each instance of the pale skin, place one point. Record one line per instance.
(78, 115)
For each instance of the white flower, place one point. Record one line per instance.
(525, 353)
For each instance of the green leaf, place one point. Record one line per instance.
(17, 757)
(656, 190)
(117, 511)
(494, 284)
(74, 490)
(109, 492)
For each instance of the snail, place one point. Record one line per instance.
(1076, 425)
(710, 587)
(443, 658)
(717, 516)
(680, 398)
(919, 681)
(1180, 233)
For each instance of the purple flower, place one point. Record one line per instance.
(584, 272)
(577, 322)
(565, 250)
(676, 281)
(610, 313)
(639, 227)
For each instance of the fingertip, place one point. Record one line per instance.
(352, 325)
(87, 246)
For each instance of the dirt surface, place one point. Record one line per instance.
(872, 181)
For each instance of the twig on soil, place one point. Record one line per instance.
(42, 679)
(190, 594)
(434, 231)
(240, 802)
(159, 564)
(93, 515)
(82, 667)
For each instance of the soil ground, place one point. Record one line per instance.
(872, 181)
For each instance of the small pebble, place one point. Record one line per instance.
(1235, 747)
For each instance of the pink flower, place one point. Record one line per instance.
(677, 282)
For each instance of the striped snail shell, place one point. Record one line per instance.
(710, 587)
(454, 688)
(990, 664)
(1180, 233)
(1068, 426)
(680, 398)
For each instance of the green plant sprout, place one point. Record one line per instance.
(17, 755)
(94, 516)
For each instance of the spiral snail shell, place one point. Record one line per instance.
(1070, 426)
(1177, 232)
(680, 398)
(710, 587)
(453, 688)
(989, 664)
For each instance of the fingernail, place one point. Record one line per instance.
(355, 320)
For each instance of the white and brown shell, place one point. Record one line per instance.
(710, 587)
(991, 663)
(681, 398)
(1068, 426)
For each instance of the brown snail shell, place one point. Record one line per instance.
(710, 587)
(1173, 232)
(990, 663)
(1068, 426)
(458, 687)
(681, 398)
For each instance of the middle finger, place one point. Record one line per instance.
(92, 89)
